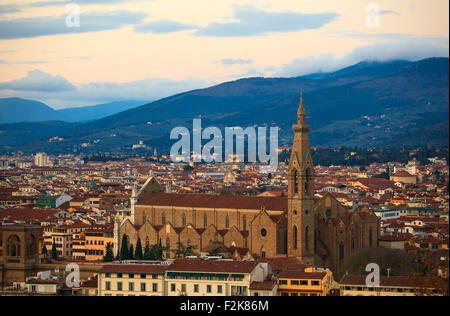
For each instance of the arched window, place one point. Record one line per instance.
(168, 245)
(164, 218)
(307, 176)
(13, 246)
(184, 219)
(295, 237)
(353, 243)
(295, 182)
(205, 220)
(263, 252)
(370, 236)
(144, 218)
(307, 238)
(244, 221)
(341, 251)
(227, 221)
(147, 241)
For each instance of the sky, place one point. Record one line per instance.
(86, 52)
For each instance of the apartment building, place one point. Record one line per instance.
(202, 277)
(355, 285)
(308, 281)
(132, 279)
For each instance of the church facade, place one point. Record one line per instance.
(317, 231)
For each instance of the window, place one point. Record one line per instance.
(119, 286)
(142, 276)
(295, 182)
(131, 276)
(294, 282)
(263, 232)
(107, 285)
(295, 237)
(155, 287)
(205, 220)
(164, 218)
(227, 221)
(219, 289)
(282, 282)
(107, 275)
(142, 287)
(208, 289)
(154, 276)
(172, 287)
(195, 288)
(130, 286)
(328, 213)
(183, 287)
(307, 237)
(370, 237)
(341, 251)
(119, 275)
(184, 219)
(315, 283)
(244, 221)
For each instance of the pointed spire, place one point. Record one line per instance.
(301, 111)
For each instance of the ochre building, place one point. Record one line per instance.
(317, 231)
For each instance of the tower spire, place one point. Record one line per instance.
(301, 114)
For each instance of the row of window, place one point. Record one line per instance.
(299, 282)
(205, 220)
(131, 275)
(173, 288)
(131, 287)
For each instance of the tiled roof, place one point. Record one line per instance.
(264, 285)
(213, 266)
(134, 268)
(215, 201)
(403, 281)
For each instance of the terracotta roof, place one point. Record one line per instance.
(403, 281)
(215, 201)
(298, 274)
(212, 266)
(134, 268)
(265, 285)
(403, 174)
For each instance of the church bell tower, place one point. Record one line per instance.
(301, 224)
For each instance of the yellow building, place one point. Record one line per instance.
(96, 240)
(355, 285)
(131, 279)
(201, 277)
(305, 282)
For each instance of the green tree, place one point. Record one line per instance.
(124, 248)
(131, 253)
(109, 255)
(54, 252)
(138, 252)
(44, 250)
(147, 252)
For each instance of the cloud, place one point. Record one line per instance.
(238, 61)
(163, 26)
(80, 2)
(9, 8)
(59, 92)
(255, 22)
(40, 81)
(89, 22)
(407, 49)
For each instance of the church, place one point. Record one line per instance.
(317, 231)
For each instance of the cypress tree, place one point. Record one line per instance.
(44, 250)
(109, 255)
(138, 252)
(124, 248)
(54, 252)
(147, 252)
(131, 253)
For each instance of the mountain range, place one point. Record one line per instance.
(370, 104)
(18, 110)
